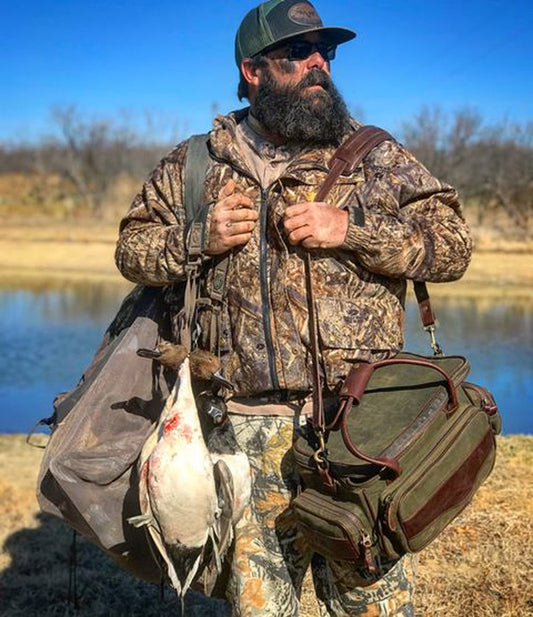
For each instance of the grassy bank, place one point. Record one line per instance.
(480, 566)
(83, 251)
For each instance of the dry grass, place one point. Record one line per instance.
(479, 567)
(83, 251)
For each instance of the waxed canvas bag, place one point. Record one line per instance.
(403, 456)
(407, 446)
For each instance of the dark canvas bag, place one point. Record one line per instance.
(88, 474)
(405, 450)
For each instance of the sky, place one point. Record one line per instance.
(175, 60)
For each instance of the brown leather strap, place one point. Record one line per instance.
(424, 304)
(345, 160)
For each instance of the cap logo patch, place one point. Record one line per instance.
(304, 14)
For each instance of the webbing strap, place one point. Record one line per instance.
(196, 165)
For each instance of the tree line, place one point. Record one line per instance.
(490, 164)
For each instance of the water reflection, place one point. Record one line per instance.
(48, 337)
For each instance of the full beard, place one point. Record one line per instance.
(312, 117)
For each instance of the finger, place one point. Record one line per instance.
(293, 223)
(312, 243)
(234, 202)
(296, 210)
(226, 190)
(299, 235)
(238, 240)
(244, 214)
(236, 229)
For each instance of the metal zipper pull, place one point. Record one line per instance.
(367, 545)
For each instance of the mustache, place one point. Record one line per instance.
(315, 77)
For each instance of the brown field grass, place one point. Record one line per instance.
(83, 251)
(479, 567)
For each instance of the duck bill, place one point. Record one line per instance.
(153, 354)
(222, 381)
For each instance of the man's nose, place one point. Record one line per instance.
(316, 61)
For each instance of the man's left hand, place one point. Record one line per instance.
(315, 225)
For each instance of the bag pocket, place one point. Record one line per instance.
(338, 530)
(419, 507)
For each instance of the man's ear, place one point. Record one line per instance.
(250, 72)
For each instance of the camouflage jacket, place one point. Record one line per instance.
(413, 228)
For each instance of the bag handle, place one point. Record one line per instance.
(353, 390)
(357, 380)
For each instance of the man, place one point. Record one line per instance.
(386, 222)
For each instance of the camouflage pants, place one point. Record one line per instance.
(271, 557)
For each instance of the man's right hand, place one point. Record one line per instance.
(232, 221)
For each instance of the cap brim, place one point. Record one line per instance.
(337, 36)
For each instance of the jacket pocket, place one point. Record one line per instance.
(369, 324)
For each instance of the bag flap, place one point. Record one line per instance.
(399, 402)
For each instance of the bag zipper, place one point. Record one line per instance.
(487, 402)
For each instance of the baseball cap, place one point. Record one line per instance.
(276, 21)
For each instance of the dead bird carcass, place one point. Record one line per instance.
(190, 496)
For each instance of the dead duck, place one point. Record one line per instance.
(190, 497)
(204, 366)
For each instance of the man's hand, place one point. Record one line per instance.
(232, 221)
(316, 225)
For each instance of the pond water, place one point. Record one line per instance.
(48, 337)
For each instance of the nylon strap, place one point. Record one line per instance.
(196, 165)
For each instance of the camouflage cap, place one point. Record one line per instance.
(276, 21)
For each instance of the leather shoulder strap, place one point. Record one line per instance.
(351, 154)
(345, 160)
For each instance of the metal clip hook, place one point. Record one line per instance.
(319, 455)
(437, 349)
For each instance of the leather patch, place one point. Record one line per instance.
(457, 489)
(304, 14)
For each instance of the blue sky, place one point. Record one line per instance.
(176, 59)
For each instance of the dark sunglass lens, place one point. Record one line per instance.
(300, 50)
(331, 52)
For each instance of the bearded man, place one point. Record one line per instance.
(387, 221)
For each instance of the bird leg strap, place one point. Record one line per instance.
(192, 271)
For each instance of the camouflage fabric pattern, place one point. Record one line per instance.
(271, 557)
(413, 229)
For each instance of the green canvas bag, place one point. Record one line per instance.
(408, 445)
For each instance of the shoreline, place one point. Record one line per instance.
(57, 254)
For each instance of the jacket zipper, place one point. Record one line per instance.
(263, 274)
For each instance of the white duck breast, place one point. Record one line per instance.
(177, 492)
(181, 484)
(190, 495)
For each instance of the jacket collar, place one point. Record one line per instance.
(224, 147)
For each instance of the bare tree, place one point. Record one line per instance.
(491, 166)
(89, 153)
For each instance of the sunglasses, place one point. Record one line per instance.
(300, 50)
